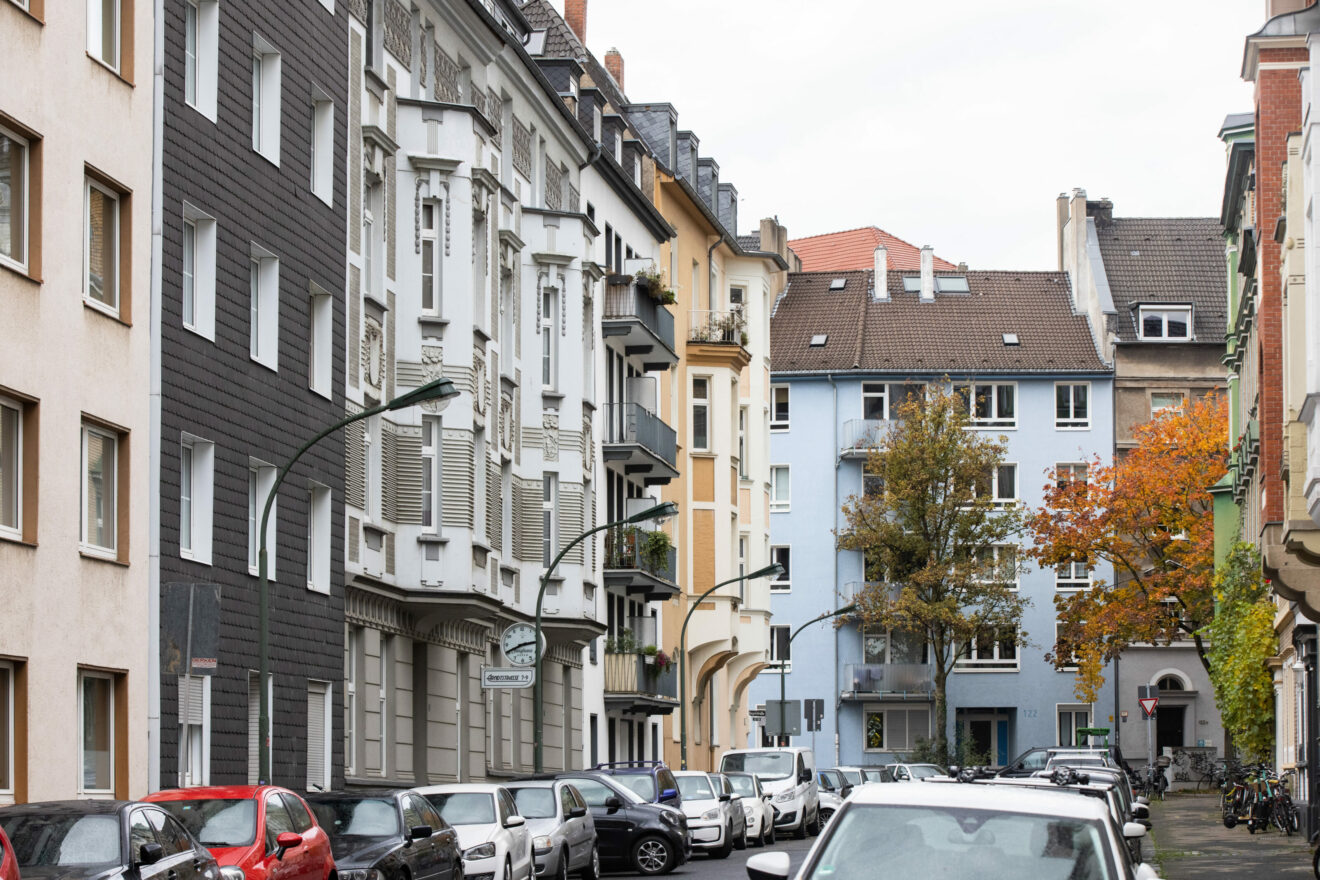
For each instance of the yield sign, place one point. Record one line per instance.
(1148, 705)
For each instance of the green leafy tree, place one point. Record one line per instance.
(926, 527)
(1241, 641)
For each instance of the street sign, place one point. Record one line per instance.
(1148, 705)
(507, 677)
(783, 717)
(813, 711)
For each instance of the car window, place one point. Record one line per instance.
(217, 821)
(743, 786)
(464, 807)
(768, 765)
(277, 819)
(887, 774)
(593, 792)
(852, 777)
(566, 800)
(666, 779)
(1035, 760)
(695, 788)
(40, 839)
(535, 802)
(507, 805)
(577, 795)
(356, 817)
(302, 820)
(412, 816)
(169, 833)
(642, 786)
(921, 771)
(139, 832)
(430, 816)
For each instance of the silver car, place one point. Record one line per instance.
(563, 831)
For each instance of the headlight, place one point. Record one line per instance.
(361, 874)
(669, 817)
(711, 814)
(484, 851)
(784, 796)
(234, 872)
(541, 843)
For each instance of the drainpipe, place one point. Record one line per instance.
(834, 420)
(153, 396)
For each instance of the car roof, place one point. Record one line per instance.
(212, 792)
(948, 793)
(355, 794)
(686, 773)
(460, 788)
(67, 808)
(535, 783)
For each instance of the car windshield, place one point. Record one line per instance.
(877, 775)
(743, 786)
(767, 765)
(596, 793)
(921, 771)
(853, 777)
(465, 807)
(642, 785)
(695, 788)
(217, 821)
(42, 840)
(356, 817)
(1076, 761)
(950, 841)
(535, 803)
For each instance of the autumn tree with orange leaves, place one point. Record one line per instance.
(1150, 515)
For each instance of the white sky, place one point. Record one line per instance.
(953, 123)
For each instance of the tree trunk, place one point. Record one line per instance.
(941, 715)
(1201, 650)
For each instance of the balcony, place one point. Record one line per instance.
(849, 591)
(638, 321)
(717, 327)
(889, 681)
(638, 441)
(860, 436)
(638, 687)
(642, 563)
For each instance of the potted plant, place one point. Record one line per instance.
(654, 283)
(744, 339)
(649, 654)
(654, 551)
(662, 661)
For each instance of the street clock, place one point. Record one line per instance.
(519, 644)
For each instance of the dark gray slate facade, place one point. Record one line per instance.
(216, 391)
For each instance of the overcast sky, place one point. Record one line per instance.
(952, 123)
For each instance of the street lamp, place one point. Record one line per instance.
(441, 390)
(772, 569)
(661, 511)
(846, 609)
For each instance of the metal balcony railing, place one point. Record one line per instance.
(630, 673)
(630, 302)
(889, 678)
(720, 327)
(861, 435)
(629, 547)
(634, 423)
(849, 591)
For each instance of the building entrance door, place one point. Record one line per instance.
(1169, 727)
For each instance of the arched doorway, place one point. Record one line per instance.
(1170, 717)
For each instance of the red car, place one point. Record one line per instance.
(8, 864)
(255, 832)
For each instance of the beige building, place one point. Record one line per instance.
(75, 259)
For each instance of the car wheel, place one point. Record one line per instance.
(562, 873)
(771, 839)
(508, 870)
(592, 870)
(653, 855)
(800, 832)
(824, 818)
(814, 828)
(726, 848)
(741, 842)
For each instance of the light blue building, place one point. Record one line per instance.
(843, 357)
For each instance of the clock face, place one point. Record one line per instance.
(519, 644)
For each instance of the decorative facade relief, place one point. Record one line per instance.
(373, 354)
(398, 27)
(506, 421)
(446, 76)
(522, 149)
(480, 383)
(550, 435)
(587, 445)
(433, 367)
(358, 9)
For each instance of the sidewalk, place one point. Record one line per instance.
(1191, 842)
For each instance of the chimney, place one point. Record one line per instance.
(927, 273)
(575, 13)
(882, 274)
(613, 60)
(1060, 222)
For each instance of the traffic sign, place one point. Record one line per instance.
(812, 712)
(782, 717)
(507, 677)
(1148, 705)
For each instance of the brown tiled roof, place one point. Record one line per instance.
(1166, 259)
(855, 249)
(958, 333)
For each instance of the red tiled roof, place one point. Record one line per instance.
(855, 249)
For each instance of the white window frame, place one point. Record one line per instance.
(369, 239)
(86, 545)
(327, 744)
(430, 483)
(886, 711)
(372, 446)
(201, 761)
(997, 497)
(549, 344)
(776, 423)
(1072, 709)
(202, 226)
(322, 143)
(994, 419)
(13, 456)
(431, 246)
(784, 582)
(266, 66)
(320, 342)
(109, 287)
(319, 507)
(702, 403)
(743, 471)
(776, 663)
(883, 394)
(352, 655)
(261, 477)
(991, 663)
(996, 551)
(197, 459)
(253, 735)
(1156, 410)
(264, 308)
(780, 473)
(1066, 576)
(96, 25)
(22, 208)
(1164, 312)
(7, 700)
(85, 675)
(549, 525)
(1072, 422)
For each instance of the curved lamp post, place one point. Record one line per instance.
(441, 390)
(846, 609)
(773, 568)
(659, 512)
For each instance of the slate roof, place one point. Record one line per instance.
(855, 249)
(960, 334)
(751, 242)
(1166, 260)
(561, 42)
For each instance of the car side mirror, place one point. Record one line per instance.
(668, 794)
(1134, 830)
(1140, 811)
(613, 803)
(724, 798)
(286, 840)
(767, 796)
(768, 866)
(804, 776)
(845, 791)
(515, 821)
(1020, 765)
(577, 812)
(419, 832)
(150, 853)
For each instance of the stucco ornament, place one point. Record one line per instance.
(373, 353)
(587, 443)
(550, 435)
(433, 367)
(506, 422)
(480, 382)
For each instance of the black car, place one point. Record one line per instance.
(387, 835)
(72, 840)
(650, 780)
(630, 833)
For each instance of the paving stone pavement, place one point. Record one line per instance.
(1191, 842)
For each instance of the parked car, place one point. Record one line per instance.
(1037, 757)
(653, 781)
(831, 793)
(851, 775)
(756, 807)
(910, 772)
(8, 863)
(631, 834)
(724, 788)
(709, 812)
(106, 840)
(253, 830)
(563, 832)
(492, 835)
(387, 835)
(873, 774)
(789, 773)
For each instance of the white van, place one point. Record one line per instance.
(789, 775)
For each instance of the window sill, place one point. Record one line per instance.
(274, 160)
(1058, 427)
(107, 68)
(102, 308)
(371, 297)
(198, 332)
(552, 394)
(274, 368)
(256, 573)
(328, 201)
(196, 559)
(480, 333)
(433, 322)
(320, 591)
(210, 117)
(20, 271)
(425, 538)
(327, 395)
(100, 556)
(11, 538)
(32, 15)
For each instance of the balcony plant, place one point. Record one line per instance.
(656, 660)
(623, 643)
(654, 551)
(654, 283)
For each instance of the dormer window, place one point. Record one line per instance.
(819, 340)
(1172, 323)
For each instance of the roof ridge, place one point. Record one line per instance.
(837, 231)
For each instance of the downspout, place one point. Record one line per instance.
(154, 395)
(834, 420)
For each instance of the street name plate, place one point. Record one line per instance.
(507, 677)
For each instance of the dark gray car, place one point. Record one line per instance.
(563, 830)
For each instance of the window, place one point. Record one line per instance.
(265, 99)
(1074, 575)
(261, 480)
(431, 477)
(196, 494)
(1072, 716)
(782, 554)
(875, 401)
(371, 456)
(352, 658)
(323, 148)
(742, 442)
(431, 259)
(896, 729)
(318, 738)
(1170, 683)
(701, 414)
(103, 32)
(549, 501)
(989, 651)
(194, 730)
(894, 646)
(1166, 401)
(779, 497)
(197, 281)
(9, 701)
(549, 309)
(779, 407)
(201, 39)
(999, 485)
(264, 307)
(14, 199)
(11, 468)
(101, 246)
(320, 342)
(318, 538)
(873, 485)
(97, 744)
(1165, 322)
(191, 23)
(1067, 473)
(990, 406)
(100, 490)
(1072, 405)
(1000, 564)
(780, 655)
(369, 195)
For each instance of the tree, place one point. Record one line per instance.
(1150, 516)
(1242, 641)
(927, 532)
